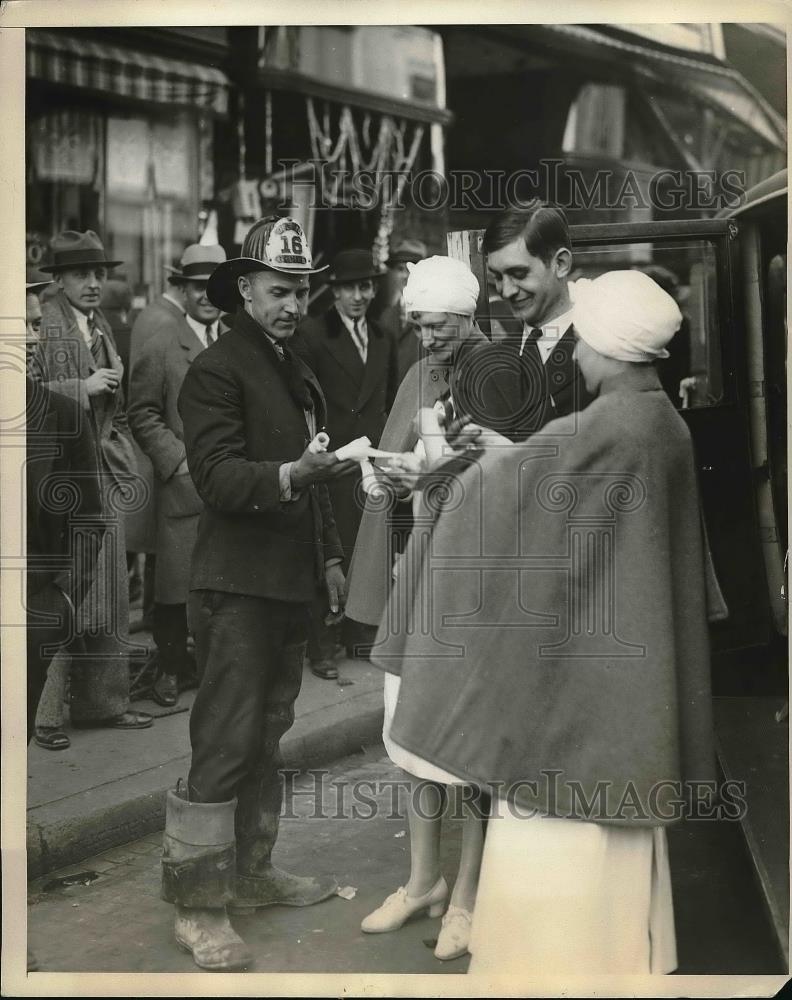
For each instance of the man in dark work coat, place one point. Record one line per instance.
(266, 540)
(528, 252)
(356, 363)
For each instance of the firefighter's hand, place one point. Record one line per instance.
(315, 468)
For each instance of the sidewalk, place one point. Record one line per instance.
(109, 787)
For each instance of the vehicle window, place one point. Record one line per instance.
(693, 374)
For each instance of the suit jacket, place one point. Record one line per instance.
(161, 314)
(66, 362)
(157, 376)
(358, 397)
(64, 507)
(538, 392)
(241, 423)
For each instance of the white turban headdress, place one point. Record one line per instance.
(441, 284)
(624, 315)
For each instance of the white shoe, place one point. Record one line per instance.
(399, 907)
(454, 936)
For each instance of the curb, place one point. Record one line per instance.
(100, 819)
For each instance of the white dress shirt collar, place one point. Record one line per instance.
(552, 331)
(200, 329)
(350, 325)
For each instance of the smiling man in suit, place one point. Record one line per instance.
(157, 375)
(356, 363)
(529, 257)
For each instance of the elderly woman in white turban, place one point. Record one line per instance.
(440, 295)
(591, 714)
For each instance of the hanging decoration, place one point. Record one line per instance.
(352, 150)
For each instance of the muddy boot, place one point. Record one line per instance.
(272, 886)
(258, 882)
(198, 865)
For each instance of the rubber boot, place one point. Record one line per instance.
(198, 866)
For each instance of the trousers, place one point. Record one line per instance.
(49, 626)
(249, 652)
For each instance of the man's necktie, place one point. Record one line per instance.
(95, 340)
(532, 344)
(210, 337)
(360, 343)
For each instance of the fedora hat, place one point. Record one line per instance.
(353, 265)
(197, 263)
(73, 249)
(272, 244)
(408, 252)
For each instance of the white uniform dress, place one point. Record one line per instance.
(562, 896)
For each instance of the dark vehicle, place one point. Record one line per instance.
(727, 376)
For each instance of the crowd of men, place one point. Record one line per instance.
(125, 375)
(266, 549)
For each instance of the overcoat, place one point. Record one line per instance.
(369, 576)
(241, 423)
(66, 362)
(490, 381)
(157, 375)
(159, 316)
(565, 652)
(358, 396)
(64, 510)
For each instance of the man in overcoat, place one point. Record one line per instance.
(157, 375)
(78, 357)
(356, 363)
(165, 313)
(266, 541)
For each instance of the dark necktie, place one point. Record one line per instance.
(532, 344)
(95, 341)
(210, 337)
(357, 336)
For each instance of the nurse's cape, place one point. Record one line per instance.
(550, 626)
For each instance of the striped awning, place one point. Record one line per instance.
(65, 58)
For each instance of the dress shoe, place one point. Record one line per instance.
(129, 720)
(273, 886)
(399, 907)
(454, 936)
(325, 669)
(51, 738)
(212, 941)
(165, 691)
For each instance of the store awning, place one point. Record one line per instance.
(62, 58)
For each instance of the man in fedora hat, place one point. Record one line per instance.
(78, 358)
(157, 375)
(266, 541)
(388, 308)
(355, 361)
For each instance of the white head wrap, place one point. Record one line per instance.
(624, 315)
(441, 284)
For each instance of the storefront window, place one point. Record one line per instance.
(64, 176)
(152, 198)
(133, 178)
